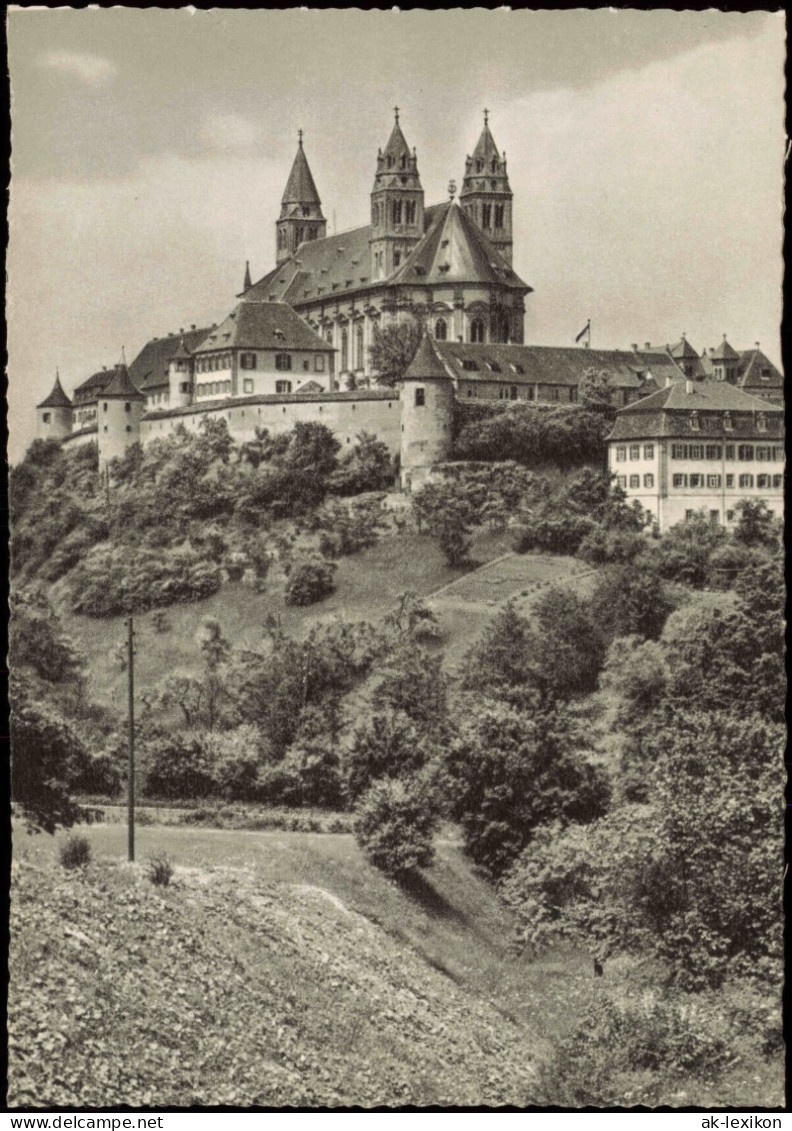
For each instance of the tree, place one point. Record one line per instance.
(393, 349)
(394, 823)
(412, 681)
(411, 616)
(389, 745)
(47, 758)
(445, 510)
(597, 392)
(509, 773)
(500, 660)
(631, 600)
(310, 580)
(368, 467)
(683, 553)
(756, 524)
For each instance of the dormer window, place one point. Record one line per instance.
(695, 423)
(728, 424)
(761, 422)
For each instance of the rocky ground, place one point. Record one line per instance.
(224, 989)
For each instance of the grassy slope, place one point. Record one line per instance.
(278, 968)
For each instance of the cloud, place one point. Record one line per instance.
(229, 133)
(92, 69)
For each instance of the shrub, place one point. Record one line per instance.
(388, 745)
(394, 823)
(310, 580)
(75, 852)
(235, 757)
(121, 579)
(160, 870)
(624, 1053)
(177, 767)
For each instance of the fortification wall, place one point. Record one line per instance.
(345, 414)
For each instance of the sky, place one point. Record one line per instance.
(150, 149)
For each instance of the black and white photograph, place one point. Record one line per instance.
(396, 657)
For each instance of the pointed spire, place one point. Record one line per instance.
(300, 187)
(248, 283)
(426, 363)
(57, 398)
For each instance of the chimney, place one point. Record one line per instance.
(669, 381)
(635, 347)
(192, 325)
(756, 344)
(181, 329)
(647, 345)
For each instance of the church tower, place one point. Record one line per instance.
(397, 205)
(486, 195)
(301, 216)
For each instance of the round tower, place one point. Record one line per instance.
(119, 409)
(427, 415)
(54, 414)
(180, 379)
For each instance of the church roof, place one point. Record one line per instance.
(57, 398)
(149, 370)
(426, 363)
(455, 250)
(553, 365)
(262, 325)
(397, 143)
(300, 187)
(120, 384)
(486, 148)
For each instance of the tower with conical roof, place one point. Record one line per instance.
(397, 205)
(54, 414)
(427, 414)
(119, 409)
(486, 195)
(301, 216)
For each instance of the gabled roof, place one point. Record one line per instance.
(757, 369)
(121, 385)
(455, 250)
(262, 325)
(551, 365)
(704, 395)
(57, 398)
(426, 364)
(149, 370)
(300, 187)
(725, 352)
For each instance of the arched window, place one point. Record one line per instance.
(477, 330)
(494, 165)
(329, 335)
(441, 330)
(360, 360)
(344, 349)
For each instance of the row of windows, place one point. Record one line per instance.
(213, 363)
(283, 362)
(764, 482)
(635, 452)
(635, 481)
(764, 453)
(695, 422)
(300, 234)
(214, 388)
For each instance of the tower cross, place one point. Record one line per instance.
(396, 112)
(299, 136)
(486, 115)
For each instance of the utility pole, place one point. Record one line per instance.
(131, 681)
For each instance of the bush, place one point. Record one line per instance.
(623, 1054)
(310, 580)
(177, 767)
(160, 870)
(75, 852)
(236, 757)
(121, 579)
(394, 823)
(387, 746)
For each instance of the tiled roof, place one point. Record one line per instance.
(550, 365)
(149, 370)
(426, 363)
(341, 264)
(121, 385)
(57, 398)
(300, 187)
(719, 396)
(262, 325)
(220, 403)
(94, 384)
(684, 349)
(725, 352)
(752, 364)
(455, 250)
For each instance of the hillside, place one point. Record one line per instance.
(276, 970)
